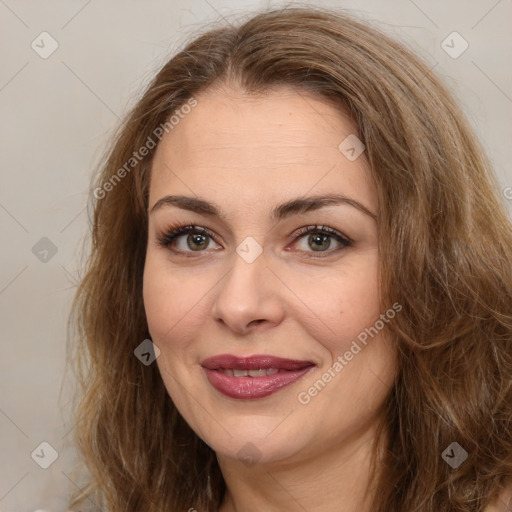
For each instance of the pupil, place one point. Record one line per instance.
(320, 240)
(197, 239)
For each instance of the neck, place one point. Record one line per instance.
(338, 479)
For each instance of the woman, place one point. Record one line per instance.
(300, 286)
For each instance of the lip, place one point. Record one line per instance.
(253, 387)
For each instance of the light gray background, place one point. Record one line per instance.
(57, 115)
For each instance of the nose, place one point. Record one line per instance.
(249, 295)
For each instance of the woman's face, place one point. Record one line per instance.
(258, 285)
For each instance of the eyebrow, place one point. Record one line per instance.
(282, 211)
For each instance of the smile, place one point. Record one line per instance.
(253, 377)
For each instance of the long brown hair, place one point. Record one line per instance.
(445, 245)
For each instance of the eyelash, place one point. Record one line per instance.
(167, 238)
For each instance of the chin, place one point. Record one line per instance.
(258, 440)
(251, 451)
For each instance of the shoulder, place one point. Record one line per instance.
(504, 501)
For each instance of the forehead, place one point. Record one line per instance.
(285, 141)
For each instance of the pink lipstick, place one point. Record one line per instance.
(253, 377)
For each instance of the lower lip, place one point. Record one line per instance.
(253, 387)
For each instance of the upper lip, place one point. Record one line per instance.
(256, 362)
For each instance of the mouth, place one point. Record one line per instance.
(255, 376)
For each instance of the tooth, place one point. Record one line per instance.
(251, 373)
(257, 373)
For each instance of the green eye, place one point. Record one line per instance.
(319, 239)
(197, 239)
(323, 242)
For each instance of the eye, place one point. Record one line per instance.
(319, 239)
(187, 239)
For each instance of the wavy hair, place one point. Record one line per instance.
(445, 245)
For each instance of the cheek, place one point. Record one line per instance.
(169, 300)
(336, 308)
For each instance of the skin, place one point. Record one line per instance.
(247, 154)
